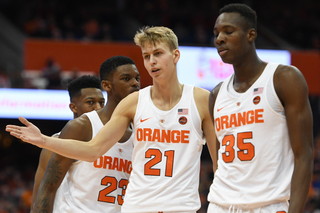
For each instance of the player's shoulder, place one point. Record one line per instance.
(289, 82)
(78, 128)
(200, 95)
(198, 91)
(80, 121)
(284, 71)
(80, 124)
(287, 75)
(201, 98)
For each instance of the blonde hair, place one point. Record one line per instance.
(154, 35)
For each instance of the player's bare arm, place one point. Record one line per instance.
(202, 102)
(52, 178)
(43, 162)
(101, 143)
(212, 99)
(292, 90)
(58, 165)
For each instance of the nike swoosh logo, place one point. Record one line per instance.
(143, 120)
(221, 108)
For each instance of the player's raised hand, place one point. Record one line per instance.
(28, 133)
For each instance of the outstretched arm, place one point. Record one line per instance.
(101, 143)
(292, 90)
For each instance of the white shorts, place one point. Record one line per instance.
(281, 207)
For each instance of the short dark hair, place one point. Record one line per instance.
(109, 66)
(244, 10)
(82, 82)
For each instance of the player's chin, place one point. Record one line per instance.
(227, 59)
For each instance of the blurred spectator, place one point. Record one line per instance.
(52, 73)
(105, 32)
(4, 80)
(91, 30)
(73, 74)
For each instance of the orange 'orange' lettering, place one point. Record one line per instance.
(239, 119)
(163, 136)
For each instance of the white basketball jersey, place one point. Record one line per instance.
(255, 159)
(166, 156)
(97, 186)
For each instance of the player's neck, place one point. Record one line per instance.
(249, 70)
(247, 75)
(106, 112)
(166, 96)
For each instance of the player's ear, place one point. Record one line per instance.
(106, 85)
(252, 35)
(176, 55)
(73, 108)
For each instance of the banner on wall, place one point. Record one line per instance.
(35, 104)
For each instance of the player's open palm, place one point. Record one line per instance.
(28, 133)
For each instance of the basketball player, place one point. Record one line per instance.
(263, 123)
(170, 121)
(85, 95)
(93, 186)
